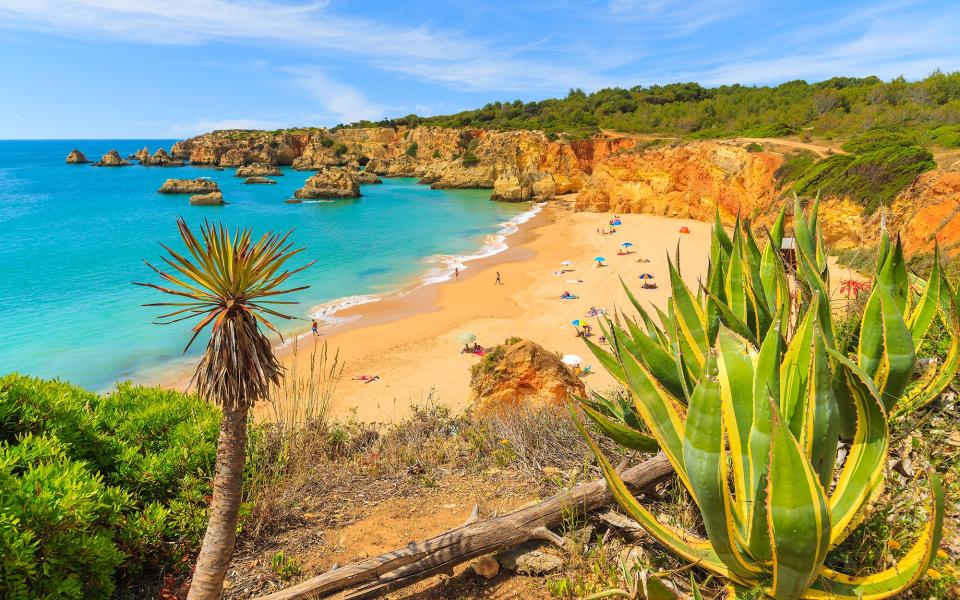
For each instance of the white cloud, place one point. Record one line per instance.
(337, 101)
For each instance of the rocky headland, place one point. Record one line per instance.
(76, 158)
(199, 185)
(111, 159)
(259, 170)
(211, 199)
(608, 173)
(332, 182)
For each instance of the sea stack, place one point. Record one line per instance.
(111, 159)
(259, 180)
(331, 182)
(143, 155)
(76, 158)
(259, 170)
(211, 199)
(189, 186)
(366, 177)
(160, 158)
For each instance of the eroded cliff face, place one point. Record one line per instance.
(928, 212)
(688, 181)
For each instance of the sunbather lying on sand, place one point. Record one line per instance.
(366, 378)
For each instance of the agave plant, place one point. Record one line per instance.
(747, 391)
(228, 283)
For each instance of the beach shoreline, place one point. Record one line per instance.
(408, 339)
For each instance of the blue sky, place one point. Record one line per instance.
(170, 69)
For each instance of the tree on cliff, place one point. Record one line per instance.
(228, 283)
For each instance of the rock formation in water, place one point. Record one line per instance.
(258, 170)
(332, 182)
(211, 199)
(142, 155)
(76, 158)
(520, 375)
(366, 177)
(200, 185)
(259, 180)
(111, 159)
(160, 158)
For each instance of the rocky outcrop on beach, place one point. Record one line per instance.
(111, 159)
(332, 182)
(211, 199)
(259, 180)
(160, 158)
(258, 170)
(511, 186)
(200, 185)
(522, 374)
(76, 158)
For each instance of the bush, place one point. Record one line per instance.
(411, 150)
(327, 143)
(340, 150)
(470, 159)
(754, 147)
(92, 486)
(794, 165)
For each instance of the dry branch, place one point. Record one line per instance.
(381, 574)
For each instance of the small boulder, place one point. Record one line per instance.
(199, 185)
(76, 158)
(111, 159)
(258, 170)
(366, 177)
(258, 180)
(331, 182)
(211, 199)
(522, 374)
(527, 560)
(486, 567)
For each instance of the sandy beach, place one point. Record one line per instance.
(410, 340)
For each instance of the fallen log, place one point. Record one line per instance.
(380, 574)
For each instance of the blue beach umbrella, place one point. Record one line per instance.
(627, 244)
(616, 222)
(599, 258)
(578, 322)
(646, 276)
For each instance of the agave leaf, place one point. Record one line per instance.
(735, 361)
(618, 432)
(898, 578)
(659, 361)
(929, 304)
(863, 470)
(706, 464)
(690, 318)
(795, 371)
(896, 366)
(797, 514)
(821, 425)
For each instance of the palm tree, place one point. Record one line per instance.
(227, 283)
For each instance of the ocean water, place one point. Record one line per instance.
(74, 237)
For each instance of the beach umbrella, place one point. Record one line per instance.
(567, 262)
(626, 244)
(572, 360)
(599, 258)
(578, 322)
(616, 222)
(684, 229)
(646, 276)
(466, 338)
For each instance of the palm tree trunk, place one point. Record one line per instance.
(218, 543)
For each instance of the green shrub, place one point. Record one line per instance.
(340, 150)
(794, 165)
(877, 139)
(470, 159)
(412, 150)
(93, 487)
(327, 143)
(436, 154)
(947, 136)
(771, 130)
(754, 147)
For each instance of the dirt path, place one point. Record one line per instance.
(818, 149)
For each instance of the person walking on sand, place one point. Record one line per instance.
(498, 282)
(314, 328)
(456, 273)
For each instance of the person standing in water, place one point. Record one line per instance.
(456, 273)
(314, 328)
(498, 282)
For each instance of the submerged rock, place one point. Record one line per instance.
(259, 180)
(211, 199)
(258, 170)
(160, 158)
(76, 158)
(523, 374)
(189, 186)
(331, 182)
(111, 159)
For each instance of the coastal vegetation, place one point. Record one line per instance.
(840, 107)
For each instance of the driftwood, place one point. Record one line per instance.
(380, 574)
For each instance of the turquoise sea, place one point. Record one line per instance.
(73, 238)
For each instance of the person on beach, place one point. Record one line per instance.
(456, 273)
(315, 328)
(498, 282)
